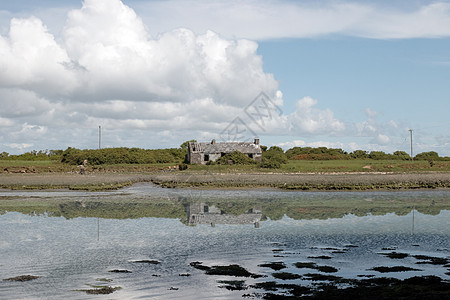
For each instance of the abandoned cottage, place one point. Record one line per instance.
(201, 153)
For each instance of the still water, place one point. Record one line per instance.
(72, 240)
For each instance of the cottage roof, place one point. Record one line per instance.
(228, 147)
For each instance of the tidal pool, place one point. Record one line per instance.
(149, 242)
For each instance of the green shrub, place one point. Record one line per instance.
(402, 155)
(427, 156)
(269, 164)
(182, 166)
(122, 156)
(236, 158)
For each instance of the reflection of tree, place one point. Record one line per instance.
(309, 206)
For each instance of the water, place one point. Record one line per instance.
(73, 239)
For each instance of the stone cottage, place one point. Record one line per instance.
(201, 153)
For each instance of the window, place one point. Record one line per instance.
(206, 158)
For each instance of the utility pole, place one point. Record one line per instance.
(410, 131)
(99, 137)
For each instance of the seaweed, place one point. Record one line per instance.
(393, 269)
(100, 290)
(395, 255)
(233, 285)
(22, 278)
(311, 265)
(431, 260)
(230, 270)
(286, 275)
(273, 265)
(119, 271)
(320, 257)
(146, 261)
(321, 277)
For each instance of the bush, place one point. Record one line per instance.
(275, 154)
(359, 154)
(236, 158)
(379, 155)
(427, 156)
(122, 156)
(182, 167)
(273, 158)
(401, 155)
(269, 164)
(320, 152)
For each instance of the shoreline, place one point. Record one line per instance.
(345, 181)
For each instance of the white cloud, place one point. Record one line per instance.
(381, 139)
(20, 147)
(153, 90)
(292, 19)
(310, 120)
(31, 59)
(371, 113)
(5, 122)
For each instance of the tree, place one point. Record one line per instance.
(359, 154)
(273, 158)
(401, 155)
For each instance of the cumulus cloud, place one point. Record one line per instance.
(310, 120)
(153, 90)
(31, 59)
(107, 69)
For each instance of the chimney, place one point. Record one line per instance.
(256, 141)
(213, 142)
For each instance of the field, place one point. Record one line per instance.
(357, 174)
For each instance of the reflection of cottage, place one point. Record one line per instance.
(201, 153)
(201, 213)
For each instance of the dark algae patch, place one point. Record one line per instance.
(311, 265)
(431, 260)
(426, 287)
(104, 290)
(274, 265)
(393, 269)
(395, 255)
(321, 277)
(119, 271)
(146, 261)
(320, 257)
(233, 285)
(286, 275)
(22, 278)
(230, 270)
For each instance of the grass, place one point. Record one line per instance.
(302, 166)
(362, 165)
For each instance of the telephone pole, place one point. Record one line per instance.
(99, 137)
(410, 132)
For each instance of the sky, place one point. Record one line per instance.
(153, 74)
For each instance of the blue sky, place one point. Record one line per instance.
(352, 75)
